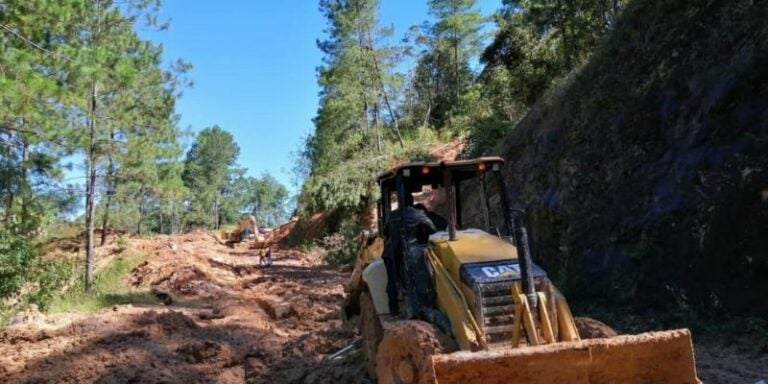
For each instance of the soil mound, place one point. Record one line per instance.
(230, 320)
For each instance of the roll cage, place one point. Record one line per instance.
(449, 175)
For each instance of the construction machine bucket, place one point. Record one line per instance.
(654, 357)
(411, 354)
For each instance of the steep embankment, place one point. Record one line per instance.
(646, 172)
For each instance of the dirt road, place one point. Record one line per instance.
(231, 321)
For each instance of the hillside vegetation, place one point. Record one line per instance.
(645, 171)
(389, 96)
(80, 83)
(634, 134)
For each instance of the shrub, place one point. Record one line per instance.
(109, 288)
(343, 246)
(51, 278)
(16, 259)
(122, 243)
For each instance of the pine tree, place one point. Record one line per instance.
(208, 169)
(31, 121)
(443, 70)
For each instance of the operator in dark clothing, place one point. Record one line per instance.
(440, 223)
(406, 234)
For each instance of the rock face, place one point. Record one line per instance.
(645, 173)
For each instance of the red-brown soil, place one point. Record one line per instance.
(230, 321)
(233, 321)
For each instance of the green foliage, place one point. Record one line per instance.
(541, 40)
(442, 74)
(53, 277)
(442, 97)
(109, 288)
(208, 168)
(343, 187)
(16, 259)
(122, 243)
(343, 246)
(265, 198)
(221, 191)
(78, 79)
(26, 279)
(357, 123)
(486, 134)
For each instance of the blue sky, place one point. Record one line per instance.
(254, 69)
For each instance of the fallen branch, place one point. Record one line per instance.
(340, 353)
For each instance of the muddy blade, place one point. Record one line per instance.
(654, 357)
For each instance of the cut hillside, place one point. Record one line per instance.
(645, 173)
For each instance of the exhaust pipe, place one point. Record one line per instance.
(520, 234)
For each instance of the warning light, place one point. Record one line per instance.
(481, 167)
(425, 170)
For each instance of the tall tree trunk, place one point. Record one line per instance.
(455, 60)
(383, 91)
(377, 119)
(90, 190)
(25, 189)
(216, 212)
(456, 68)
(363, 85)
(105, 220)
(141, 210)
(110, 191)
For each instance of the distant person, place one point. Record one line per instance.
(265, 259)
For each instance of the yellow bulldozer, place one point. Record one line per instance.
(497, 318)
(245, 228)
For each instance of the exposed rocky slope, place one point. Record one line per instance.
(645, 173)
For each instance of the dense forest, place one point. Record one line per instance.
(90, 142)
(389, 96)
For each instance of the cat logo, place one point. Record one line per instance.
(507, 270)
